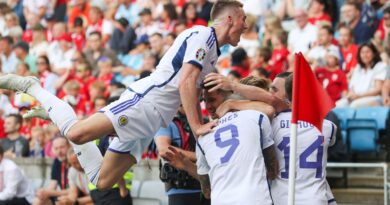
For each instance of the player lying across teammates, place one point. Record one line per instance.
(152, 102)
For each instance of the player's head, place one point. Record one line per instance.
(278, 88)
(214, 99)
(229, 15)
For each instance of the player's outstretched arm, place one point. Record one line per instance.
(271, 163)
(205, 185)
(245, 105)
(189, 98)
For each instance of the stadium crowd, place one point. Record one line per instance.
(87, 52)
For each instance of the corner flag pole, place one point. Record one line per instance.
(292, 164)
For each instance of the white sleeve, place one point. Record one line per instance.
(197, 48)
(381, 71)
(12, 177)
(265, 132)
(202, 167)
(107, 27)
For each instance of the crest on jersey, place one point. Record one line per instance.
(123, 120)
(200, 54)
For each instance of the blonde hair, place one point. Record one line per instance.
(221, 5)
(273, 23)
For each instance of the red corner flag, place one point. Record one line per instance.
(310, 102)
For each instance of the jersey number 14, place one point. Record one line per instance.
(284, 146)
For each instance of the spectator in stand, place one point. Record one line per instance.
(106, 74)
(261, 73)
(59, 175)
(37, 7)
(23, 69)
(96, 50)
(168, 19)
(278, 62)
(319, 12)
(38, 45)
(60, 10)
(234, 76)
(78, 34)
(99, 103)
(85, 78)
(263, 55)
(123, 37)
(348, 49)
(316, 55)
(78, 192)
(367, 79)
(331, 77)
(96, 90)
(128, 10)
(80, 8)
(73, 96)
(386, 89)
(383, 31)
(189, 15)
(21, 50)
(301, 38)
(203, 7)
(51, 132)
(180, 26)
(271, 24)
(32, 20)
(15, 187)
(14, 144)
(146, 26)
(12, 24)
(157, 45)
(17, 7)
(53, 34)
(61, 56)
(100, 24)
(46, 76)
(9, 60)
(37, 142)
(249, 39)
(169, 39)
(352, 16)
(240, 62)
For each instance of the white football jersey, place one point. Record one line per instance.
(311, 186)
(232, 157)
(197, 46)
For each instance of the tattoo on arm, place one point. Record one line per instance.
(271, 163)
(205, 185)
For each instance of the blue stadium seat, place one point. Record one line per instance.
(379, 114)
(344, 114)
(363, 135)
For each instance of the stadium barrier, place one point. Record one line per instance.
(366, 165)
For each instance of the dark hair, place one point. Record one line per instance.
(283, 75)
(266, 53)
(47, 61)
(173, 35)
(1, 151)
(156, 34)
(221, 5)
(184, 10)
(96, 33)
(375, 52)
(8, 39)
(235, 74)
(288, 86)
(263, 72)
(328, 29)
(345, 26)
(171, 10)
(78, 22)
(386, 10)
(355, 4)
(18, 118)
(100, 98)
(238, 56)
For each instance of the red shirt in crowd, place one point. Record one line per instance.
(334, 82)
(84, 86)
(243, 71)
(349, 58)
(198, 21)
(78, 40)
(278, 62)
(324, 17)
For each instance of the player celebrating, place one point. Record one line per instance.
(147, 104)
(232, 156)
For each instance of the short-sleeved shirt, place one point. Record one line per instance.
(232, 157)
(59, 173)
(78, 179)
(363, 80)
(349, 58)
(172, 131)
(312, 149)
(197, 46)
(334, 82)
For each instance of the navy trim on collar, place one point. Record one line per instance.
(216, 40)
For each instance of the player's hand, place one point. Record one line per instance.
(206, 128)
(280, 105)
(224, 108)
(218, 81)
(176, 158)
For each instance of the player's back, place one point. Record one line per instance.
(233, 158)
(311, 186)
(196, 46)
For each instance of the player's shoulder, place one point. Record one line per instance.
(201, 32)
(328, 125)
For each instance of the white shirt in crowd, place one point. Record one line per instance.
(8, 64)
(364, 80)
(232, 157)
(312, 147)
(6, 106)
(300, 40)
(318, 54)
(78, 179)
(13, 183)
